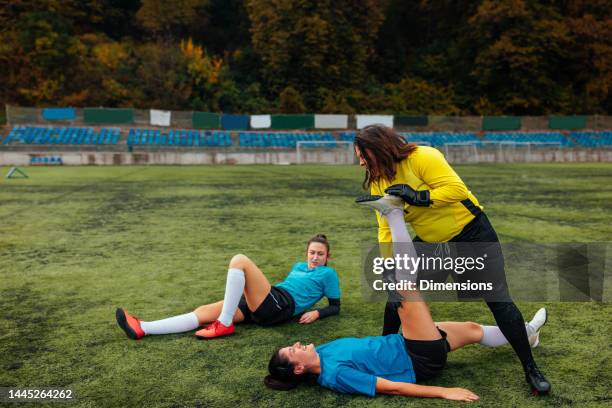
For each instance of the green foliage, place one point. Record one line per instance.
(591, 65)
(511, 57)
(415, 96)
(311, 44)
(520, 47)
(164, 78)
(171, 18)
(291, 101)
(333, 102)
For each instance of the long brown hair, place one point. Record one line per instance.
(381, 148)
(281, 375)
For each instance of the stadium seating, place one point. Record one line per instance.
(440, 138)
(283, 140)
(37, 135)
(527, 137)
(543, 138)
(62, 136)
(426, 138)
(348, 136)
(592, 139)
(179, 138)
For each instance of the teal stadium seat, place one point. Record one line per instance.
(593, 139)
(527, 137)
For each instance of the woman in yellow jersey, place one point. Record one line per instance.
(440, 209)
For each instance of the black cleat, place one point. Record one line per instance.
(536, 380)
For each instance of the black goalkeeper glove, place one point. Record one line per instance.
(409, 195)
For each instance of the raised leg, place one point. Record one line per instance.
(417, 323)
(243, 278)
(256, 286)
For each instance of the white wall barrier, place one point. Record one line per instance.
(330, 156)
(365, 120)
(331, 121)
(160, 117)
(261, 121)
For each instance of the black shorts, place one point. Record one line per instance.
(428, 356)
(477, 239)
(277, 307)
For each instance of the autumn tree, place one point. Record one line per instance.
(172, 19)
(290, 101)
(311, 44)
(590, 69)
(392, 56)
(519, 48)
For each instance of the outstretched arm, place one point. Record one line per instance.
(384, 386)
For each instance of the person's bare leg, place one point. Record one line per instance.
(209, 313)
(417, 323)
(256, 286)
(461, 334)
(243, 278)
(414, 314)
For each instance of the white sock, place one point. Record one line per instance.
(402, 243)
(397, 225)
(234, 287)
(176, 324)
(492, 336)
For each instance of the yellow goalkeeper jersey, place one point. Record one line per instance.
(453, 205)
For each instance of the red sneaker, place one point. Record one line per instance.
(130, 324)
(215, 329)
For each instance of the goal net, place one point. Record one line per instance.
(512, 152)
(324, 152)
(466, 152)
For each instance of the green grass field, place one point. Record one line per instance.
(76, 242)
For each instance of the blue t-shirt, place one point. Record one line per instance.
(308, 286)
(351, 365)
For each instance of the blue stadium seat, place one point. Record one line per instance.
(181, 137)
(440, 138)
(533, 138)
(62, 136)
(593, 139)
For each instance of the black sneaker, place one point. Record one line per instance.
(536, 380)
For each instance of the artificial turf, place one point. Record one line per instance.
(76, 242)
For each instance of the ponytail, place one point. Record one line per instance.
(281, 375)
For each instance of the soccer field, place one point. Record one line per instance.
(77, 242)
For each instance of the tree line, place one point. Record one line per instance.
(445, 57)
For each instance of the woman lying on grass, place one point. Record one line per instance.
(249, 297)
(389, 364)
